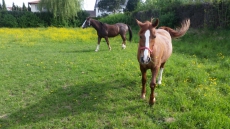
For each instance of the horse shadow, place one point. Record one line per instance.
(65, 101)
(71, 100)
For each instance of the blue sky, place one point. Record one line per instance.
(88, 4)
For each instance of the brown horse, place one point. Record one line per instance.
(106, 31)
(155, 47)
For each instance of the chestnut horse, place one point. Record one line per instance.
(155, 47)
(105, 31)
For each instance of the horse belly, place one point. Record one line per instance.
(113, 31)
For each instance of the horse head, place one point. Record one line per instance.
(86, 23)
(147, 39)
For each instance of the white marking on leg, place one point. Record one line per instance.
(123, 46)
(143, 96)
(98, 47)
(83, 24)
(160, 76)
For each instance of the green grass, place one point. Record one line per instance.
(63, 83)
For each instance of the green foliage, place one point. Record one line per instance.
(132, 5)
(7, 20)
(110, 5)
(45, 17)
(25, 19)
(4, 5)
(116, 18)
(24, 7)
(29, 20)
(62, 9)
(168, 19)
(13, 7)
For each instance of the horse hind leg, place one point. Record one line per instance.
(160, 74)
(124, 41)
(107, 41)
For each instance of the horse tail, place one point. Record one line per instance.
(178, 32)
(130, 33)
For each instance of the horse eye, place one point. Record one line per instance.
(140, 37)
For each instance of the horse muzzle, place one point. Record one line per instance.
(145, 60)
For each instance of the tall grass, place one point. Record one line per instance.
(53, 78)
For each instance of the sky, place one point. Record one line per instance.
(88, 4)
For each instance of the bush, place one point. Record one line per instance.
(167, 19)
(29, 20)
(116, 18)
(26, 19)
(7, 20)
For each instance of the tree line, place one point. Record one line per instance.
(14, 7)
(68, 13)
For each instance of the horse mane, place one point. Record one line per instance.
(178, 32)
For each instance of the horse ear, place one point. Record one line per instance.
(139, 23)
(151, 20)
(155, 23)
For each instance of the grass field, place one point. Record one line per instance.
(53, 78)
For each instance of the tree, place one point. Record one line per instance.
(0, 7)
(4, 5)
(63, 9)
(110, 5)
(13, 7)
(132, 5)
(29, 9)
(24, 7)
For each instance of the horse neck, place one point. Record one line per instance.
(95, 24)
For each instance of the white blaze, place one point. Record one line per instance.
(146, 52)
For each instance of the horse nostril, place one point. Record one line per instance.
(149, 59)
(142, 60)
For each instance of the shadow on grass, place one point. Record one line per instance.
(68, 101)
(87, 51)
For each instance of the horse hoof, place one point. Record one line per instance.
(151, 102)
(159, 83)
(123, 46)
(143, 96)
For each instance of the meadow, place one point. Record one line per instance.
(53, 78)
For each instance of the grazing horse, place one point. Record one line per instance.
(155, 47)
(105, 31)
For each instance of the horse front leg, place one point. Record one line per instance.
(98, 43)
(143, 80)
(152, 98)
(107, 41)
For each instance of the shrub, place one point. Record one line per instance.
(116, 18)
(7, 20)
(29, 20)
